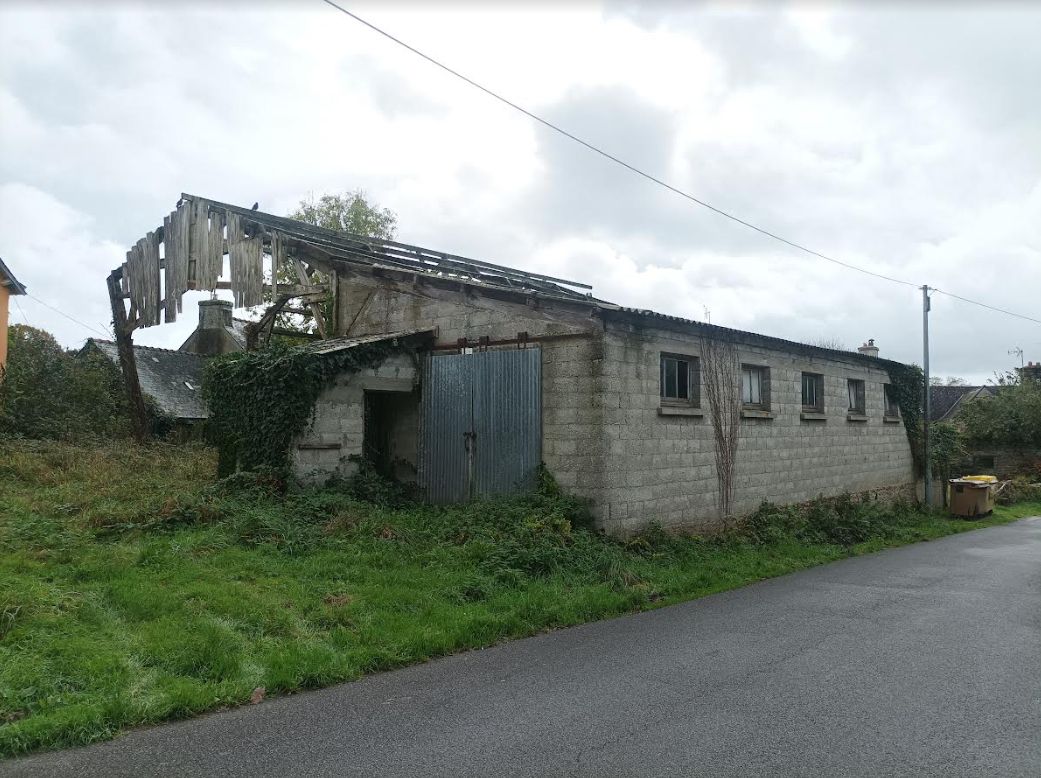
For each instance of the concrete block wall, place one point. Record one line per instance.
(662, 468)
(603, 436)
(571, 427)
(337, 430)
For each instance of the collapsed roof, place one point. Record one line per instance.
(200, 231)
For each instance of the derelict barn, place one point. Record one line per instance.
(652, 417)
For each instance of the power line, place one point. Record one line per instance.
(70, 318)
(19, 305)
(646, 175)
(984, 305)
(610, 156)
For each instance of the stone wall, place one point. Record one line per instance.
(662, 467)
(1002, 462)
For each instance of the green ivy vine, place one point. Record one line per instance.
(259, 401)
(907, 383)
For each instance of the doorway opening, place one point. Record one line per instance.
(391, 433)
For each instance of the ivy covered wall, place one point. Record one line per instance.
(259, 401)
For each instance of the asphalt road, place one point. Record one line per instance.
(924, 660)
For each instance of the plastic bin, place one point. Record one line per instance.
(972, 496)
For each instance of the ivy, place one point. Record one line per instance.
(259, 401)
(907, 383)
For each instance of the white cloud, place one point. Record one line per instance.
(904, 140)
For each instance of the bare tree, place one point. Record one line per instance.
(835, 344)
(722, 375)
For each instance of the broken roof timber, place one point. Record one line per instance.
(368, 249)
(335, 345)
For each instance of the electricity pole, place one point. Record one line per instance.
(925, 404)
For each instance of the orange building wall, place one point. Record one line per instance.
(4, 303)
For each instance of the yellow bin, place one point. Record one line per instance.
(972, 496)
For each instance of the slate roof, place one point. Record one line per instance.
(944, 401)
(237, 330)
(7, 279)
(172, 378)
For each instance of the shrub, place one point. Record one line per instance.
(843, 521)
(49, 393)
(1020, 488)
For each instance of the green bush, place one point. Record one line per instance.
(842, 521)
(47, 392)
(1020, 488)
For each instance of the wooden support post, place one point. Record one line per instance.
(316, 308)
(125, 347)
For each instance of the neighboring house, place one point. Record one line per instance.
(498, 370)
(173, 379)
(9, 286)
(946, 402)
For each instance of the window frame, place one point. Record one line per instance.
(764, 387)
(693, 398)
(861, 409)
(818, 382)
(890, 407)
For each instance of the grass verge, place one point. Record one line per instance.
(133, 589)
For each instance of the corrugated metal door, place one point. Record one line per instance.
(446, 424)
(482, 424)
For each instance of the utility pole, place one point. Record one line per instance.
(925, 404)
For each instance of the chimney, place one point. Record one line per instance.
(869, 348)
(1030, 372)
(211, 336)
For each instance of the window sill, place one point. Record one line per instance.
(755, 413)
(680, 410)
(857, 417)
(318, 446)
(813, 416)
(891, 419)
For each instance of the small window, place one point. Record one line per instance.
(856, 396)
(892, 406)
(679, 379)
(755, 386)
(812, 392)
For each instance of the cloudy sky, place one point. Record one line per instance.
(903, 138)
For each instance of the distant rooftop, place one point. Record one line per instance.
(14, 286)
(172, 378)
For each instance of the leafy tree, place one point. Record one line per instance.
(946, 448)
(48, 392)
(349, 212)
(951, 380)
(1009, 419)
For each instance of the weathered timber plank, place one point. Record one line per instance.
(169, 281)
(207, 234)
(150, 275)
(246, 255)
(212, 263)
(316, 308)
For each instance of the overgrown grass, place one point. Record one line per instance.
(134, 589)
